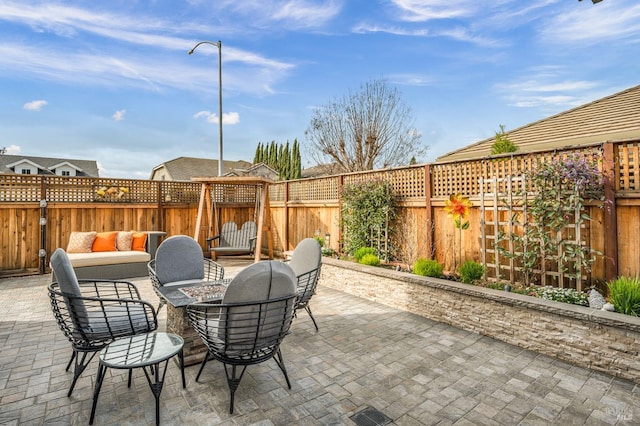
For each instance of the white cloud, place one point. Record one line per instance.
(305, 13)
(12, 150)
(411, 79)
(288, 14)
(608, 20)
(35, 105)
(119, 115)
(548, 87)
(364, 28)
(124, 63)
(421, 10)
(227, 117)
(230, 118)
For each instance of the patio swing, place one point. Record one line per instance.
(235, 191)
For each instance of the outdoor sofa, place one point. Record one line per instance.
(111, 255)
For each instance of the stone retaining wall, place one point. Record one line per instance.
(595, 339)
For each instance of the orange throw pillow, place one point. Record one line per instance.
(139, 242)
(105, 241)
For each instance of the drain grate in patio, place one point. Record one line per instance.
(369, 416)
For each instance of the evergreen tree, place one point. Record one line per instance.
(296, 161)
(285, 162)
(273, 156)
(257, 158)
(284, 159)
(502, 144)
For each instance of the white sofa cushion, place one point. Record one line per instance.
(108, 258)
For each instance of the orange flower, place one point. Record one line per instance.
(458, 207)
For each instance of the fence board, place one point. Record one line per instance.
(628, 241)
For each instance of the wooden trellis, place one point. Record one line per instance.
(503, 205)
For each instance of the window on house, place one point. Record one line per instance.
(66, 173)
(26, 171)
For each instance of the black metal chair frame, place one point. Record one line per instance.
(114, 305)
(306, 285)
(213, 271)
(251, 334)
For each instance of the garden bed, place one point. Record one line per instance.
(595, 339)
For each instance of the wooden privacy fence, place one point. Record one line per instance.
(309, 207)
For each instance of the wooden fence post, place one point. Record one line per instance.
(160, 196)
(285, 246)
(42, 252)
(340, 186)
(610, 215)
(429, 212)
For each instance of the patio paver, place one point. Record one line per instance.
(414, 370)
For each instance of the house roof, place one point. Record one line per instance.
(615, 117)
(183, 168)
(319, 170)
(48, 165)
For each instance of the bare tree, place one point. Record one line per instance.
(367, 129)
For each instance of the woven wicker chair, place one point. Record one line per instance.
(250, 324)
(92, 313)
(179, 262)
(306, 262)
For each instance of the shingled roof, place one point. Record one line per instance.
(613, 118)
(183, 168)
(46, 165)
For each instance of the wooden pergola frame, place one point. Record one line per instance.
(264, 218)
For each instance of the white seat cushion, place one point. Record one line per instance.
(108, 258)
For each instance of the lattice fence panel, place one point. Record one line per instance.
(310, 190)
(456, 178)
(406, 183)
(20, 188)
(234, 193)
(628, 170)
(180, 192)
(84, 190)
(276, 192)
(463, 177)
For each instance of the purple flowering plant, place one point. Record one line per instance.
(556, 200)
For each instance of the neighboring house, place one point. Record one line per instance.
(319, 171)
(26, 165)
(259, 169)
(613, 118)
(184, 168)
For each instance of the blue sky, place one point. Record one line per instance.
(112, 81)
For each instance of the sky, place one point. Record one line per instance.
(112, 81)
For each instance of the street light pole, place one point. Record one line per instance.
(217, 44)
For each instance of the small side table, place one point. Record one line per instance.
(153, 237)
(146, 351)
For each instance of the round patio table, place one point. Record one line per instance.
(146, 351)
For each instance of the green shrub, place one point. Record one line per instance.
(502, 144)
(624, 294)
(370, 259)
(362, 252)
(427, 268)
(565, 295)
(471, 271)
(496, 285)
(319, 239)
(329, 252)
